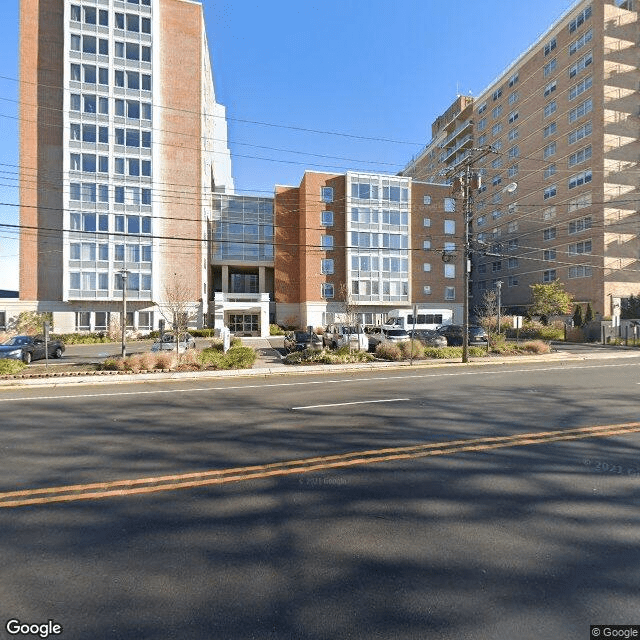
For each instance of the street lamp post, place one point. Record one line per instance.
(123, 274)
(499, 287)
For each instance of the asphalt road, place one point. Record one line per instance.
(404, 504)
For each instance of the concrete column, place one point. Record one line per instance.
(225, 278)
(261, 279)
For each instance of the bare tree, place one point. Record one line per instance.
(177, 309)
(349, 305)
(487, 310)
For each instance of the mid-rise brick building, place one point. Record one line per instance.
(367, 242)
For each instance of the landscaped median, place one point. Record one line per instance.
(212, 358)
(401, 351)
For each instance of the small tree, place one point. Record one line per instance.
(550, 300)
(577, 316)
(588, 316)
(177, 309)
(487, 310)
(30, 322)
(630, 307)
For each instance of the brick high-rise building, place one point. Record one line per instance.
(122, 143)
(563, 121)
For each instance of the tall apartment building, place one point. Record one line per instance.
(563, 121)
(373, 242)
(122, 143)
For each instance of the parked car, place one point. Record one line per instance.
(168, 343)
(301, 340)
(396, 335)
(28, 348)
(430, 338)
(342, 335)
(454, 334)
(379, 335)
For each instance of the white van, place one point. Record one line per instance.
(425, 319)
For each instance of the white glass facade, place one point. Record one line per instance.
(378, 237)
(108, 163)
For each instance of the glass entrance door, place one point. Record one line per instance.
(243, 323)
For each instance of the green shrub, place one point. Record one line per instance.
(202, 333)
(237, 357)
(341, 356)
(10, 367)
(81, 338)
(443, 353)
(276, 330)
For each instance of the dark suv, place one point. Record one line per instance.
(454, 334)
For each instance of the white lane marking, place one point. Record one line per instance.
(481, 372)
(344, 404)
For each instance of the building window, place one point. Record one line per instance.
(449, 227)
(426, 267)
(549, 150)
(497, 112)
(580, 87)
(583, 40)
(550, 46)
(550, 108)
(514, 152)
(426, 244)
(327, 266)
(581, 110)
(513, 116)
(327, 218)
(449, 205)
(550, 171)
(496, 266)
(326, 242)
(497, 94)
(549, 233)
(426, 290)
(579, 248)
(550, 192)
(550, 67)
(549, 275)
(576, 226)
(327, 290)
(514, 79)
(426, 222)
(580, 156)
(550, 88)
(581, 65)
(426, 200)
(496, 129)
(327, 196)
(580, 271)
(449, 270)
(513, 263)
(549, 254)
(449, 293)
(579, 179)
(580, 19)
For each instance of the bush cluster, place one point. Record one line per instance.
(341, 356)
(237, 357)
(10, 367)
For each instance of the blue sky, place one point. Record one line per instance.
(367, 76)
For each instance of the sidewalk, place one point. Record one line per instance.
(269, 363)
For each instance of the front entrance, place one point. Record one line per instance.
(243, 323)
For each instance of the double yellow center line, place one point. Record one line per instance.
(156, 484)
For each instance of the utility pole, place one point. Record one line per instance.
(499, 287)
(124, 273)
(465, 182)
